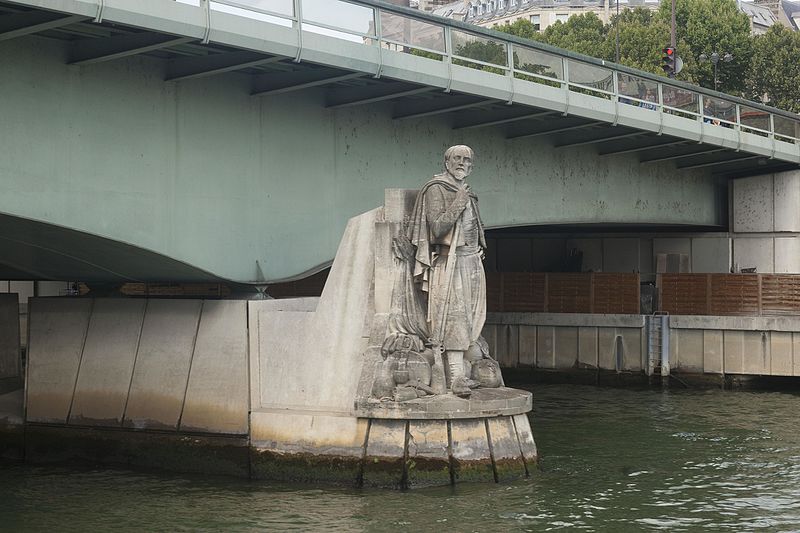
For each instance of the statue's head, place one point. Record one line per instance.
(458, 161)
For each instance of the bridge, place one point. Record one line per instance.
(164, 140)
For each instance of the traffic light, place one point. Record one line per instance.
(669, 59)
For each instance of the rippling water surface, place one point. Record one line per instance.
(613, 460)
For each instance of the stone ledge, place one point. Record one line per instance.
(565, 319)
(483, 403)
(741, 323)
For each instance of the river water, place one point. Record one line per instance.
(612, 460)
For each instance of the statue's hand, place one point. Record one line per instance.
(462, 196)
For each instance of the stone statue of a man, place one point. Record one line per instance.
(446, 222)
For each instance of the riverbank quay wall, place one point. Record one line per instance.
(689, 345)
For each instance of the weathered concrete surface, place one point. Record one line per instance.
(313, 360)
(766, 222)
(57, 333)
(384, 461)
(505, 447)
(753, 204)
(298, 446)
(217, 396)
(12, 430)
(428, 453)
(305, 305)
(567, 319)
(744, 323)
(11, 408)
(145, 364)
(162, 368)
(488, 402)
(565, 341)
(528, 448)
(9, 336)
(104, 377)
(469, 444)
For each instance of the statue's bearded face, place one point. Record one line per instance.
(459, 164)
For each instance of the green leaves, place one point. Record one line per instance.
(764, 68)
(775, 69)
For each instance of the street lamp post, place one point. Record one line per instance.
(715, 58)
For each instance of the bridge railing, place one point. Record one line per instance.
(393, 28)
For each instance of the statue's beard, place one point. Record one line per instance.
(459, 174)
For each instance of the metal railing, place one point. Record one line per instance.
(396, 29)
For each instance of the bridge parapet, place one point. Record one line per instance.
(565, 77)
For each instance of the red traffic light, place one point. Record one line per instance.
(669, 51)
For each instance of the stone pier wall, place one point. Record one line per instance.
(167, 365)
(9, 336)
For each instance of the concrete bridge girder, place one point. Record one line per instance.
(223, 211)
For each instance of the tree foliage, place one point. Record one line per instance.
(707, 26)
(584, 33)
(763, 67)
(775, 68)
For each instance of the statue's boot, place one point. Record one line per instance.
(459, 383)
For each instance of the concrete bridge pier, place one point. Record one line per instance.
(269, 389)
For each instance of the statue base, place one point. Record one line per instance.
(481, 403)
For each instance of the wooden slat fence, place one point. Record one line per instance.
(729, 294)
(539, 292)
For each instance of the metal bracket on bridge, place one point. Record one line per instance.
(101, 5)
(510, 61)
(565, 68)
(298, 15)
(379, 38)
(615, 82)
(772, 135)
(448, 43)
(206, 4)
(738, 127)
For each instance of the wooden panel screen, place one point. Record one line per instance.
(615, 293)
(729, 294)
(733, 294)
(494, 292)
(536, 292)
(524, 292)
(569, 293)
(683, 294)
(780, 294)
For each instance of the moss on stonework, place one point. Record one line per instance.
(180, 453)
(509, 469)
(426, 472)
(469, 471)
(305, 468)
(384, 472)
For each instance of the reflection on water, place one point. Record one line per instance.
(614, 460)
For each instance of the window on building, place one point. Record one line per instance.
(562, 17)
(501, 4)
(536, 20)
